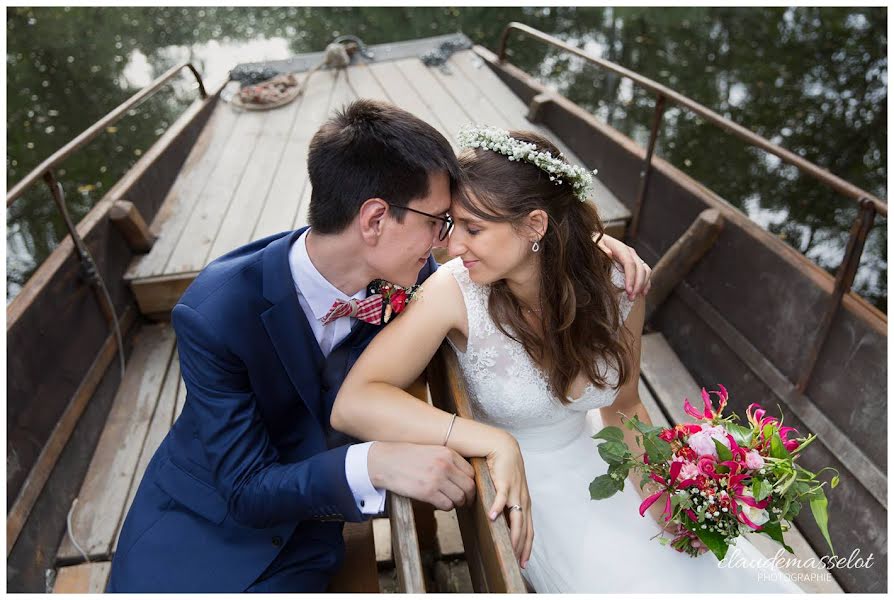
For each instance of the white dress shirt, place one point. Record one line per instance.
(316, 295)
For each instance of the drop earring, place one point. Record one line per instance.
(535, 247)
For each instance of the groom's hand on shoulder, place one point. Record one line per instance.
(433, 474)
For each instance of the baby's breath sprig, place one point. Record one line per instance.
(499, 140)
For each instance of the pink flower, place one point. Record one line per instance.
(689, 471)
(707, 465)
(703, 441)
(709, 413)
(753, 460)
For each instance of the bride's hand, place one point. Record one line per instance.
(507, 470)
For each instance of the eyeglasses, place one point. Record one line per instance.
(446, 222)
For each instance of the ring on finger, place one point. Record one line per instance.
(515, 507)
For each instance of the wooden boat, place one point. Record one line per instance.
(732, 303)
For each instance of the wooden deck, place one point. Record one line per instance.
(153, 394)
(246, 177)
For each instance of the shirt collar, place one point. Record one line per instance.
(316, 289)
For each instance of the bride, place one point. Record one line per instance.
(544, 333)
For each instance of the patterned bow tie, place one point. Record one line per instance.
(368, 310)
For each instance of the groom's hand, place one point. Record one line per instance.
(433, 474)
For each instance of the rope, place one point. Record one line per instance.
(70, 531)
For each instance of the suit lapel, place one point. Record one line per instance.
(287, 326)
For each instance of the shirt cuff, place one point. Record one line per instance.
(370, 500)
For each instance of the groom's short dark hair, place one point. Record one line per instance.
(372, 149)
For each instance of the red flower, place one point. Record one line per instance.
(708, 413)
(668, 435)
(398, 300)
(687, 453)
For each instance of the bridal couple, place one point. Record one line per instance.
(288, 362)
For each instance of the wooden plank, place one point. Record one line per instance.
(405, 545)
(52, 450)
(475, 104)
(450, 541)
(442, 104)
(158, 429)
(492, 563)
(668, 377)
(291, 186)
(358, 573)
(382, 536)
(182, 199)
(133, 228)
(104, 492)
(404, 95)
(679, 260)
(198, 236)
(159, 293)
(250, 196)
(364, 84)
(86, 578)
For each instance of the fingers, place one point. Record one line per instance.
(498, 505)
(517, 531)
(464, 485)
(463, 465)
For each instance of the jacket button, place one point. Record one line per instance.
(277, 541)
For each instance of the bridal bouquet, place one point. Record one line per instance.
(717, 479)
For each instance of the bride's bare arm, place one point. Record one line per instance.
(372, 405)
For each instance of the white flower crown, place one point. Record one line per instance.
(499, 140)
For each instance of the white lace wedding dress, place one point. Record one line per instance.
(580, 545)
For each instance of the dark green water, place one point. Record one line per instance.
(813, 80)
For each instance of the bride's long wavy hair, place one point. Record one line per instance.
(581, 319)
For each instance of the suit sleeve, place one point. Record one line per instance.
(259, 490)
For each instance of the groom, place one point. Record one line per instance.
(250, 489)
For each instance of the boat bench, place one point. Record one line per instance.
(664, 383)
(146, 404)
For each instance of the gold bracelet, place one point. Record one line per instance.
(452, 421)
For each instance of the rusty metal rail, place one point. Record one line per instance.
(869, 205)
(46, 167)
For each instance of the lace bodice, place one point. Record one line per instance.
(506, 387)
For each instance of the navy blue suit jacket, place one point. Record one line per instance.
(251, 468)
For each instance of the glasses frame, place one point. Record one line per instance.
(446, 228)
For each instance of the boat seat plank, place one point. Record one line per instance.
(475, 103)
(248, 201)
(403, 94)
(446, 109)
(86, 578)
(158, 429)
(290, 181)
(194, 244)
(103, 494)
(669, 382)
(181, 200)
(365, 85)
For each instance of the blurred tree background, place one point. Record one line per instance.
(813, 80)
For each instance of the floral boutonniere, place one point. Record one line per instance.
(394, 297)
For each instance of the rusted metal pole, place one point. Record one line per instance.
(836, 183)
(844, 278)
(94, 130)
(647, 165)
